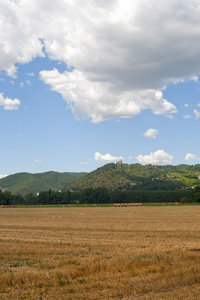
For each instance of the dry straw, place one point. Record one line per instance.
(100, 253)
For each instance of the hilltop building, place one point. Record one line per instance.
(119, 163)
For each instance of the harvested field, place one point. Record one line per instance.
(100, 253)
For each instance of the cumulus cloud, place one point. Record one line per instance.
(9, 104)
(3, 176)
(157, 158)
(197, 113)
(20, 41)
(190, 156)
(151, 133)
(186, 105)
(99, 100)
(198, 104)
(187, 117)
(107, 157)
(122, 53)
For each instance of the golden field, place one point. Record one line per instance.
(148, 252)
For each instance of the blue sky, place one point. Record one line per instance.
(84, 84)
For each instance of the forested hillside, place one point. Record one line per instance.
(24, 183)
(139, 177)
(111, 176)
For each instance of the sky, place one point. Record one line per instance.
(88, 82)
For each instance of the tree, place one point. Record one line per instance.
(185, 200)
(197, 197)
(87, 196)
(43, 198)
(101, 195)
(8, 198)
(197, 189)
(19, 199)
(69, 196)
(30, 198)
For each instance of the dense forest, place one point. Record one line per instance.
(101, 195)
(111, 176)
(24, 183)
(139, 177)
(111, 183)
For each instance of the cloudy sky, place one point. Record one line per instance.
(87, 82)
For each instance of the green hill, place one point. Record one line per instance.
(138, 177)
(110, 176)
(23, 183)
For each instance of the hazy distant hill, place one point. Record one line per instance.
(138, 177)
(23, 183)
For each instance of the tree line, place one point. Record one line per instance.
(101, 195)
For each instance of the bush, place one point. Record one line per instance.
(185, 200)
(197, 197)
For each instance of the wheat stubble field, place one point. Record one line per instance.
(100, 253)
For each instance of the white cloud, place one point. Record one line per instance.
(37, 160)
(21, 84)
(151, 133)
(170, 117)
(28, 82)
(9, 104)
(157, 158)
(3, 176)
(99, 101)
(187, 117)
(30, 74)
(85, 162)
(107, 157)
(131, 157)
(186, 105)
(190, 156)
(20, 41)
(198, 104)
(197, 113)
(124, 52)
